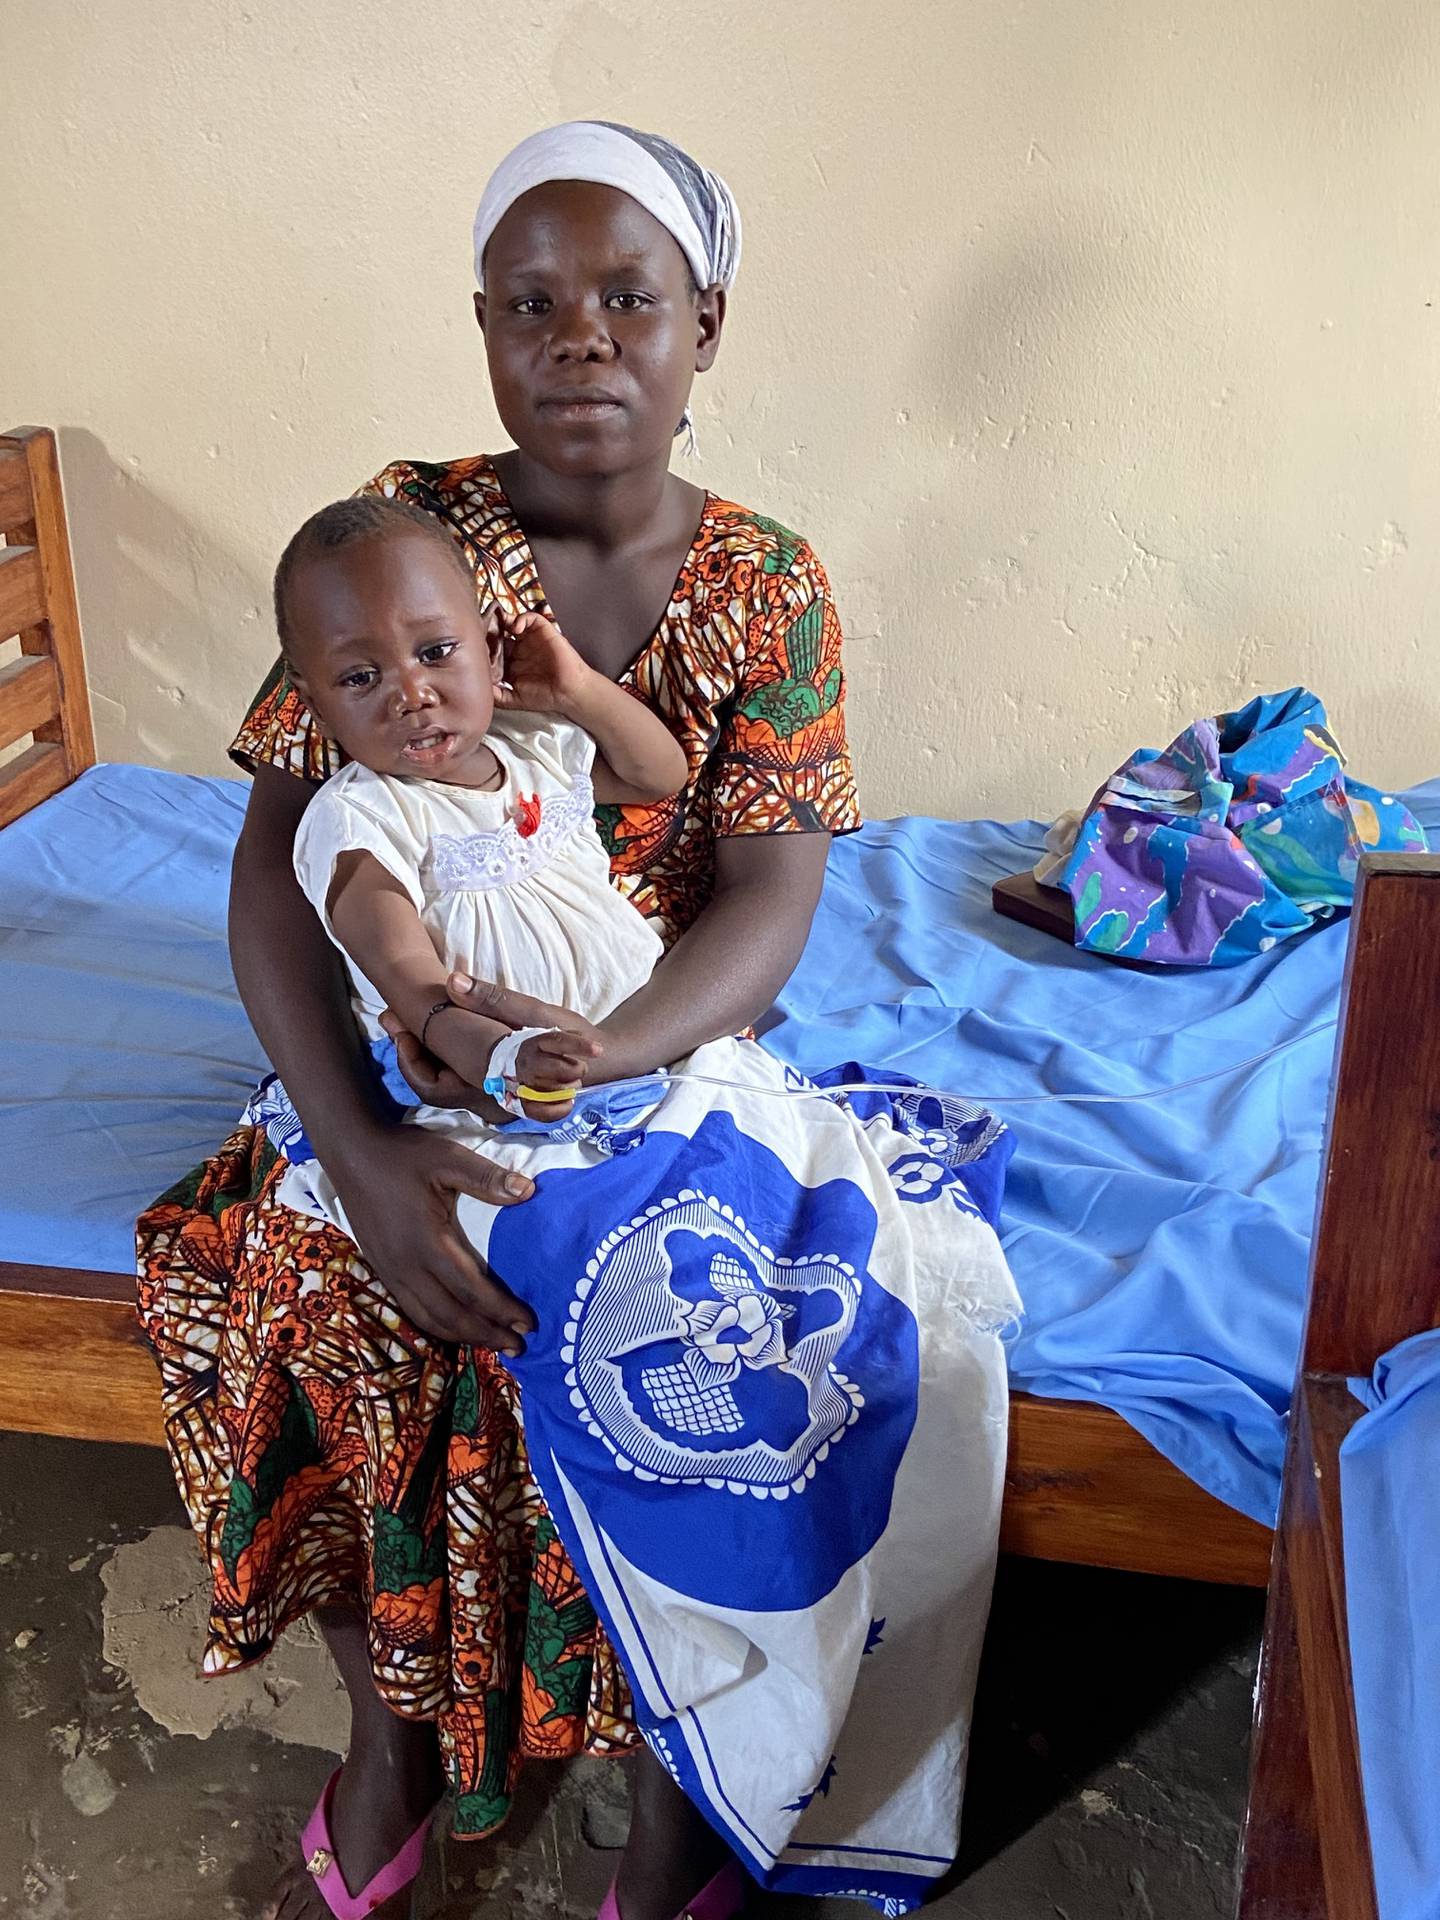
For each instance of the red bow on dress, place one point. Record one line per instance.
(526, 813)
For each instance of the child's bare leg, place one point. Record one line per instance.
(391, 1779)
(672, 1851)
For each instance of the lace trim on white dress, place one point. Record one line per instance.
(477, 862)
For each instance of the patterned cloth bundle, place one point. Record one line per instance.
(1244, 831)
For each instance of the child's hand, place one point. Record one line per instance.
(543, 672)
(555, 1063)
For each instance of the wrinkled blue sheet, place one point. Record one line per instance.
(1390, 1507)
(125, 1056)
(1161, 1247)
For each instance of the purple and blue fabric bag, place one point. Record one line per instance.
(1241, 833)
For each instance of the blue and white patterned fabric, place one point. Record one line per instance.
(270, 1107)
(766, 1406)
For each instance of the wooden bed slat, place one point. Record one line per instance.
(1280, 1870)
(30, 778)
(29, 696)
(15, 509)
(1324, 1415)
(74, 729)
(1374, 1281)
(1305, 1851)
(37, 592)
(76, 1362)
(1083, 1486)
(22, 590)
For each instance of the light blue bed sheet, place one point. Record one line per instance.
(125, 1056)
(1390, 1508)
(1161, 1247)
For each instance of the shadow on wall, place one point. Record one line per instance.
(1120, 556)
(1389, 705)
(992, 435)
(1070, 577)
(155, 593)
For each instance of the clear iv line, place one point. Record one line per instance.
(980, 1099)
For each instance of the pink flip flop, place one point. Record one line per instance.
(318, 1851)
(721, 1900)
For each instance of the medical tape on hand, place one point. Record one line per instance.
(502, 1081)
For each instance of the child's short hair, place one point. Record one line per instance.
(366, 516)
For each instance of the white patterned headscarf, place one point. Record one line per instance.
(692, 203)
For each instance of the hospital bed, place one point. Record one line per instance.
(128, 1058)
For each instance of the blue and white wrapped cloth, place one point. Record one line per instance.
(766, 1406)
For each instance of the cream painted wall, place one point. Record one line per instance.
(1092, 342)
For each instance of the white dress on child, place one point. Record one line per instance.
(730, 1281)
(535, 912)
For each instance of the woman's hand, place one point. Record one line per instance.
(441, 1086)
(400, 1189)
(543, 672)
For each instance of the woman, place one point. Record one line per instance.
(335, 1452)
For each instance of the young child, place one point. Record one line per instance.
(461, 834)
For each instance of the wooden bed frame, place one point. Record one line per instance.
(42, 694)
(1081, 1486)
(1374, 1281)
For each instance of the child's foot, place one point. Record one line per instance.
(383, 1794)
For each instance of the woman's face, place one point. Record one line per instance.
(593, 329)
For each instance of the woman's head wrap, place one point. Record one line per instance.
(693, 204)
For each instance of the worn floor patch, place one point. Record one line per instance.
(154, 1612)
(1106, 1781)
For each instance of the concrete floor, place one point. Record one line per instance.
(1107, 1778)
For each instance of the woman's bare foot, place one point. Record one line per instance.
(391, 1779)
(672, 1853)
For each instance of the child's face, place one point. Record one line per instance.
(389, 650)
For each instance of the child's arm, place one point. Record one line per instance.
(400, 1184)
(638, 759)
(376, 923)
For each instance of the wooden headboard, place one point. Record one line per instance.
(43, 693)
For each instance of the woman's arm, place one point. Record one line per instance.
(399, 1184)
(725, 972)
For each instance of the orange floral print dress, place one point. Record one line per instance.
(331, 1453)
